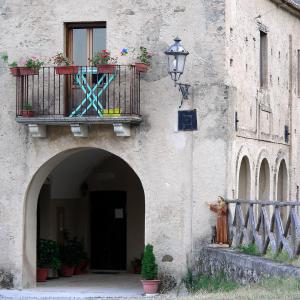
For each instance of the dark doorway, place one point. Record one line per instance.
(108, 230)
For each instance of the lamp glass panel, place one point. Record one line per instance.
(180, 63)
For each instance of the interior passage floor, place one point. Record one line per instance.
(120, 285)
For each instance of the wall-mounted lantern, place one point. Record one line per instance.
(176, 62)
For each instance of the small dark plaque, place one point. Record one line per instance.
(187, 120)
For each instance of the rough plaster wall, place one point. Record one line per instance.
(211, 142)
(262, 113)
(178, 170)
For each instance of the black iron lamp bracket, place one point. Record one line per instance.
(184, 89)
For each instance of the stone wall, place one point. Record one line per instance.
(240, 267)
(262, 112)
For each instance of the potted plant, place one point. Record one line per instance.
(144, 58)
(43, 260)
(27, 111)
(149, 271)
(70, 257)
(63, 65)
(82, 258)
(54, 259)
(14, 69)
(136, 264)
(104, 62)
(30, 66)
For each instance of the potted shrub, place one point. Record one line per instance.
(82, 257)
(43, 260)
(30, 66)
(54, 259)
(70, 257)
(27, 111)
(144, 58)
(149, 271)
(13, 67)
(104, 62)
(63, 65)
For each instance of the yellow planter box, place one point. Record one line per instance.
(112, 112)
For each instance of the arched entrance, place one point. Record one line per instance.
(93, 195)
(264, 181)
(263, 193)
(244, 182)
(282, 182)
(281, 190)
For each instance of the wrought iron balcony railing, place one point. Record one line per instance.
(85, 93)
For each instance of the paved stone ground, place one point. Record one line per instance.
(88, 286)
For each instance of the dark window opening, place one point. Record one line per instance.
(263, 60)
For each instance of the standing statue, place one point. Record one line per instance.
(221, 209)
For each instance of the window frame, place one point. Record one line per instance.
(81, 25)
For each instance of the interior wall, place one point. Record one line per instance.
(75, 217)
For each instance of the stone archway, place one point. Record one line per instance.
(244, 180)
(264, 181)
(282, 188)
(282, 180)
(91, 165)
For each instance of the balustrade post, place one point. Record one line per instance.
(293, 230)
(263, 232)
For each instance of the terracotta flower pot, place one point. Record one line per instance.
(141, 67)
(67, 271)
(27, 113)
(52, 274)
(83, 266)
(41, 274)
(150, 286)
(137, 269)
(25, 71)
(66, 70)
(77, 270)
(15, 71)
(108, 69)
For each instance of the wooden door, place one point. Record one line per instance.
(108, 230)
(84, 40)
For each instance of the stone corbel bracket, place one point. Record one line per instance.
(121, 129)
(80, 130)
(37, 130)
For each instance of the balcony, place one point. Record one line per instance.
(85, 96)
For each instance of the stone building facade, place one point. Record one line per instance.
(243, 69)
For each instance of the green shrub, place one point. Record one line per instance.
(72, 253)
(280, 257)
(48, 254)
(149, 267)
(209, 284)
(250, 249)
